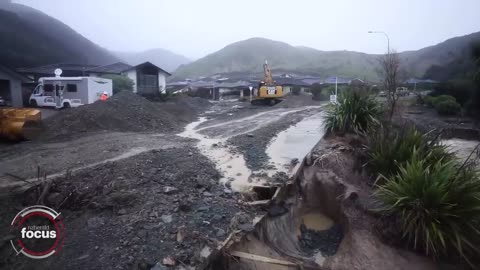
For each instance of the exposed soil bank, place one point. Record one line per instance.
(133, 213)
(329, 181)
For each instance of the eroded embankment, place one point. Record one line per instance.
(319, 220)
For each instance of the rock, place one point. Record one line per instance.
(239, 174)
(181, 233)
(215, 145)
(205, 252)
(167, 218)
(216, 218)
(207, 194)
(220, 233)
(169, 190)
(250, 135)
(227, 191)
(203, 208)
(229, 166)
(168, 261)
(190, 154)
(122, 212)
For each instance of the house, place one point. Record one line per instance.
(148, 78)
(73, 70)
(288, 84)
(11, 86)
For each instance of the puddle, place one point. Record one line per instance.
(317, 221)
(461, 147)
(295, 142)
(232, 166)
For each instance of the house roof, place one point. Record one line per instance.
(115, 68)
(147, 64)
(290, 81)
(15, 74)
(49, 69)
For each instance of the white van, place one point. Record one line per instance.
(66, 92)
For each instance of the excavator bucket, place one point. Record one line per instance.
(20, 124)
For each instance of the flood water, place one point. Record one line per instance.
(295, 142)
(461, 147)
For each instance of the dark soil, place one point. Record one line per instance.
(125, 111)
(133, 213)
(326, 241)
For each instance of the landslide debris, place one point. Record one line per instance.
(126, 112)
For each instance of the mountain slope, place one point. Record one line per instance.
(248, 56)
(163, 58)
(30, 38)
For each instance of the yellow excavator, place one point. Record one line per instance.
(267, 92)
(19, 124)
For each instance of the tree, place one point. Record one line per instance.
(390, 65)
(120, 82)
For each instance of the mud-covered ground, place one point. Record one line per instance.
(254, 144)
(137, 210)
(132, 196)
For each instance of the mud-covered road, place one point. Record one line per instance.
(131, 199)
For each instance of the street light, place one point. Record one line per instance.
(388, 39)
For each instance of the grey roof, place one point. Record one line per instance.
(115, 68)
(147, 64)
(15, 74)
(49, 69)
(414, 80)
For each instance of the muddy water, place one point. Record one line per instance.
(461, 147)
(295, 142)
(232, 166)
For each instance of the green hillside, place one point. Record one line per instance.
(248, 56)
(30, 38)
(163, 58)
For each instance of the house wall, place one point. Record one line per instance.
(162, 81)
(132, 74)
(287, 89)
(15, 89)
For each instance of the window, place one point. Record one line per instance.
(48, 88)
(71, 88)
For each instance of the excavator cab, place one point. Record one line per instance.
(267, 93)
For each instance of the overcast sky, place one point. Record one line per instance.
(196, 28)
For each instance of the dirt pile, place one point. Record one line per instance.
(137, 212)
(125, 111)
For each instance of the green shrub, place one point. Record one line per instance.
(354, 113)
(437, 205)
(443, 98)
(389, 150)
(429, 100)
(448, 107)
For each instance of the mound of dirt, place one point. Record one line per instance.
(126, 112)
